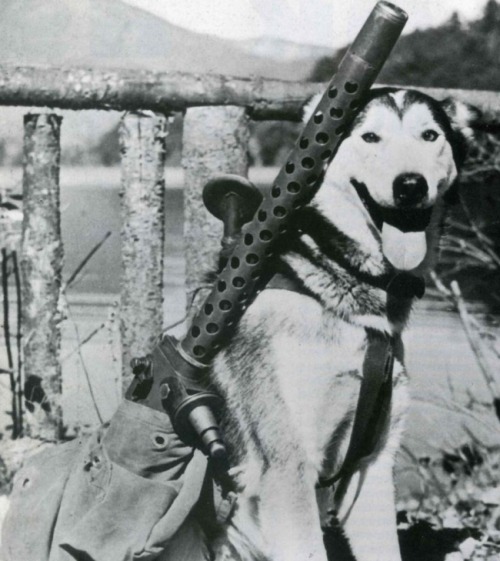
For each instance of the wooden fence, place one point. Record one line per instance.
(217, 110)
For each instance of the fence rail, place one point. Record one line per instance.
(130, 90)
(216, 136)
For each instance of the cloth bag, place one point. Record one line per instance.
(127, 492)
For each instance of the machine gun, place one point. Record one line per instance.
(174, 378)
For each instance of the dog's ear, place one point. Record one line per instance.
(470, 124)
(473, 135)
(468, 119)
(466, 122)
(463, 116)
(309, 107)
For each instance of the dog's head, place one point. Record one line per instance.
(401, 155)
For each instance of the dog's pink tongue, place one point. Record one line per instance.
(405, 250)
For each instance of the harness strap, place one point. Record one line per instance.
(373, 407)
(375, 393)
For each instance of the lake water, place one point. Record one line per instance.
(90, 209)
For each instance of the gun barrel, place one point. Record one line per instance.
(295, 184)
(177, 381)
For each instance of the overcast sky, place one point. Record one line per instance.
(330, 23)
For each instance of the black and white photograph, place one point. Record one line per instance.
(250, 280)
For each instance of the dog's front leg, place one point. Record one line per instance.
(288, 514)
(368, 512)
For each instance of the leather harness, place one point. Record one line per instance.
(374, 400)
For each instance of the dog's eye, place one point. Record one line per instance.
(430, 135)
(370, 137)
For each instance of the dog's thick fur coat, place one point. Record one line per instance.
(291, 374)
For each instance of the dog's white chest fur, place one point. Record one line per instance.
(291, 386)
(316, 357)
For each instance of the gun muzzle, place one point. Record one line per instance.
(379, 34)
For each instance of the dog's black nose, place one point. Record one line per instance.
(409, 189)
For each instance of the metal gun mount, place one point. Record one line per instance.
(174, 378)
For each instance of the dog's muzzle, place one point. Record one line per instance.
(403, 227)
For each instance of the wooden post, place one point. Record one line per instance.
(142, 141)
(41, 265)
(215, 140)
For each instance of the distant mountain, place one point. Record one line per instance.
(110, 33)
(281, 49)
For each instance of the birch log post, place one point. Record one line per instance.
(215, 141)
(41, 265)
(142, 142)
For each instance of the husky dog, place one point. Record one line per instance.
(291, 374)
